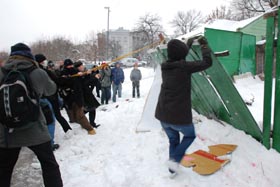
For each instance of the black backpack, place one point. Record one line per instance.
(19, 104)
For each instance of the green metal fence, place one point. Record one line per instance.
(218, 99)
(242, 49)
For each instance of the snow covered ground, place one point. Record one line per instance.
(118, 156)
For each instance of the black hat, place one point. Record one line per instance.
(51, 64)
(78, 64)
(177, 50)
(68, 62)
(20, 47)
(40, 58)
(22, 50)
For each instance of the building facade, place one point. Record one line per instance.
(121, 42)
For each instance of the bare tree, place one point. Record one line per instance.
(115, 48)
(150, 25)
(185, 22)
(139, 40)
(243, 9)
(219, 13)
(89, 47)
(55, 49)
(101, 42)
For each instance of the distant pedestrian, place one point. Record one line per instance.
(174, 109)
(117, 80)
(135, 77)
(105, 80)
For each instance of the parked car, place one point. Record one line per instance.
(88, 66)
(142, 63)
(129, 62)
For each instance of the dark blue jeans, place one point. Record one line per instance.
(51, 126)
(178, 148)
(117, 89)
(105, 94)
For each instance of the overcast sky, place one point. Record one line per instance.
(29, 20)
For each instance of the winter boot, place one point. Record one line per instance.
(94, 125)
(91, 132)
(173, 167)
(55, 147)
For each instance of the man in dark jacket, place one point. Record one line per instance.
(33, 135)
(75, 98)
(53, 99)
(174, 108)
(117, 80)
(89, 81)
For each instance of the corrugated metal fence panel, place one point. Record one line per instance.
(248, 54)
(220, 40)
(215, 96)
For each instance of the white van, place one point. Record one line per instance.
(129, 62)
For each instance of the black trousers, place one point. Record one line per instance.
(44, 153)
(91, 115)
(56, 109)
(135, 86)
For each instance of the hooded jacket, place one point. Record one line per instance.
(33, 133)
(174, 102)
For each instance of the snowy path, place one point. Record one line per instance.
(117, 156)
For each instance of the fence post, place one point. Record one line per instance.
(276, 124)
(270, 29)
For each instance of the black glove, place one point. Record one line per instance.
(190, 42)
(202, 40)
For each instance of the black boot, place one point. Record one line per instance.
(94, 125)
(55, 147)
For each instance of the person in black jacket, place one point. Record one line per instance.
(53, 99)
(74, 98)
(34, 134)
(174, 109)
(89, 81)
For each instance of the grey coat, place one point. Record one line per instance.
(105, 79)
(33, 133)
(135, 75)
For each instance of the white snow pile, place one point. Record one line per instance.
(118, 156)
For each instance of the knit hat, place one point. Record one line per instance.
(177, 50)
(21, 49)
(51, 64)
(40, 58)
(78, 64)
(68, 62)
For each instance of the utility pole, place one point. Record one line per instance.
(107, 42)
